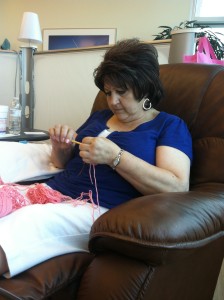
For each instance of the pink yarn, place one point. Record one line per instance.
(11, 199)
(5, 203)
(41, 194)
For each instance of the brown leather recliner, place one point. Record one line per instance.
(167, 246)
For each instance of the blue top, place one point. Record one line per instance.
(164, 129)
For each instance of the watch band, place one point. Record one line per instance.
(117, 159)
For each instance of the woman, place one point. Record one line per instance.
(130, 150)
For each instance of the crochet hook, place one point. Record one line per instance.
(76, 142)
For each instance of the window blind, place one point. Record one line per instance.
(207, 11)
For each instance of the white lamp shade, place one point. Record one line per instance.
(30, 29)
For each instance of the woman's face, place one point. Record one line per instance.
(123, 103)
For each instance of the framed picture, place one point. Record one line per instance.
(55, 39)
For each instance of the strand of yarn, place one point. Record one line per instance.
(95, 185)
(88, 197)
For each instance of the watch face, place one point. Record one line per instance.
(116, 161)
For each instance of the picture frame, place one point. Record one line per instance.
(62, 38)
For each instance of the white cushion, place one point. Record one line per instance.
(24, 162)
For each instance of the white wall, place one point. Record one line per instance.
(132, 18)
(63, 83)
(64, 86)
(58, 78)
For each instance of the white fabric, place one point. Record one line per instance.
(104, 133)
(22, 162)
(38, 232)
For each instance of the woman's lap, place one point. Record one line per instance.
(38, 232)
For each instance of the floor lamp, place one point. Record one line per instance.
(29, 33)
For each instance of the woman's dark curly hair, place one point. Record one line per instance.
(131, 64)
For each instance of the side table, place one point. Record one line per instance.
(26, 135)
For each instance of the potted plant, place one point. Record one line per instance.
(199, 30)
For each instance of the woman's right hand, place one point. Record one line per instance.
(61, 138)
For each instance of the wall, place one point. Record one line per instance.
(64, 87)
(132, 18)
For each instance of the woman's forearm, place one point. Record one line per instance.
(149, 179)
(60, 157)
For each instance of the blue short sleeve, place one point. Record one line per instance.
(175, 134)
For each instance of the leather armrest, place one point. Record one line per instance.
(48, 279)
(154, 228)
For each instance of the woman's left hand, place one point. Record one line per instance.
(98, 150)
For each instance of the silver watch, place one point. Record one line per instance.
(117, 159)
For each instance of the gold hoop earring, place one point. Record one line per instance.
(146, 105)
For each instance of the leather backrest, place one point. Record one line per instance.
(195, 92)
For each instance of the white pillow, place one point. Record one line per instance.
(24, 162)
